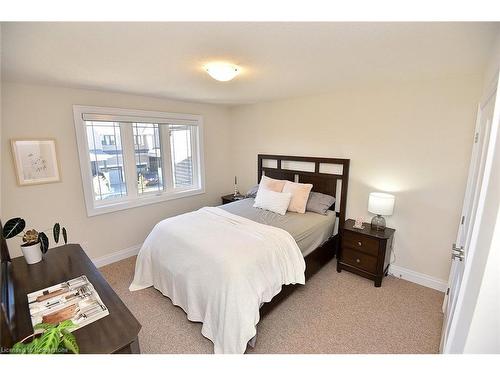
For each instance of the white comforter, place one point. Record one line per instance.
(219, 268)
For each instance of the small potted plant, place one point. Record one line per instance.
(34, 243)
(50, 339)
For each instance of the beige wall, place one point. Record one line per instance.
(40, 111)
(412, 139)
(492, 68)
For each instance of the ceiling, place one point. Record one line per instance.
(278, 60)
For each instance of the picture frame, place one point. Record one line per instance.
(35, 161)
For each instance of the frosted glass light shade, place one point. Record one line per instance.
(381, 203)
(222, 71)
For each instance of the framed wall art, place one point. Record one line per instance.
(35, 161)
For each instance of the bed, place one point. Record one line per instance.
(310, 230)
(228, 266)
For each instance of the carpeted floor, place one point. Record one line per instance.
(333, 313)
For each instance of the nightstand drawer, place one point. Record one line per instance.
(359, 260)
(361, 243)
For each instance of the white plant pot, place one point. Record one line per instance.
(32, 254)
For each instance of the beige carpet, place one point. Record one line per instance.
(333, 313)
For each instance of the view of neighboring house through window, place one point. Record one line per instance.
(131, 158)
(148, 160)
(106, 159)
(108, 140)
(182, 159)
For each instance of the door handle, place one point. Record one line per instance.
(457, 253)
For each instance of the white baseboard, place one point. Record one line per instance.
(418, 278)
(116, 256)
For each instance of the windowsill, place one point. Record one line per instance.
(142, 201)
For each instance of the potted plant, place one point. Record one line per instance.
(52, 339)
(34, 243)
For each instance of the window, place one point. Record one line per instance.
(108, 140)
(140, 139)
(130, 158)
(180, 147)
(106, 163)
(148, 158)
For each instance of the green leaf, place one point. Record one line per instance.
(34, 347)
(54, 338)
(65, 235)
(65, 325)
(55, 231)
(48, 342)
(44, 326)
(44, 242)
(18, 348)
(13, 227)
(69, 342)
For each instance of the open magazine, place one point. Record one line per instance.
(75, 299)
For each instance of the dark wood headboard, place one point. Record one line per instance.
(326, 174)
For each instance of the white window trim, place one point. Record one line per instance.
(82, 113)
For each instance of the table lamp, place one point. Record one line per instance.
(236, 191)
(380, 204)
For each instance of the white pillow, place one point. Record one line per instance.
(271, 184)
(300, 195)
(272, 201)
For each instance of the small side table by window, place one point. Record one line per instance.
(231, 198)
(365, 252)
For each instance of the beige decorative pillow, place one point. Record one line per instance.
(300, 195)
(268, 183)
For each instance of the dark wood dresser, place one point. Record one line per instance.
(115, 333)
(365, 252)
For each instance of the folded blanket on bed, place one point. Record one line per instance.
(220, 268)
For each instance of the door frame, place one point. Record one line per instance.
(465, 220)
(469, 289)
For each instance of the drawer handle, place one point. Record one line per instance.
(357, 260)
(359, 243)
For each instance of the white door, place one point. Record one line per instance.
(459, 250)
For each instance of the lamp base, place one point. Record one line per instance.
(378, 223)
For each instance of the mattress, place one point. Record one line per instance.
(309, 230)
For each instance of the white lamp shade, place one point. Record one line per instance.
(381, 203)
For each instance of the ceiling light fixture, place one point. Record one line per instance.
(222, 71)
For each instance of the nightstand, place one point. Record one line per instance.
(231, 198)
(365, 252)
